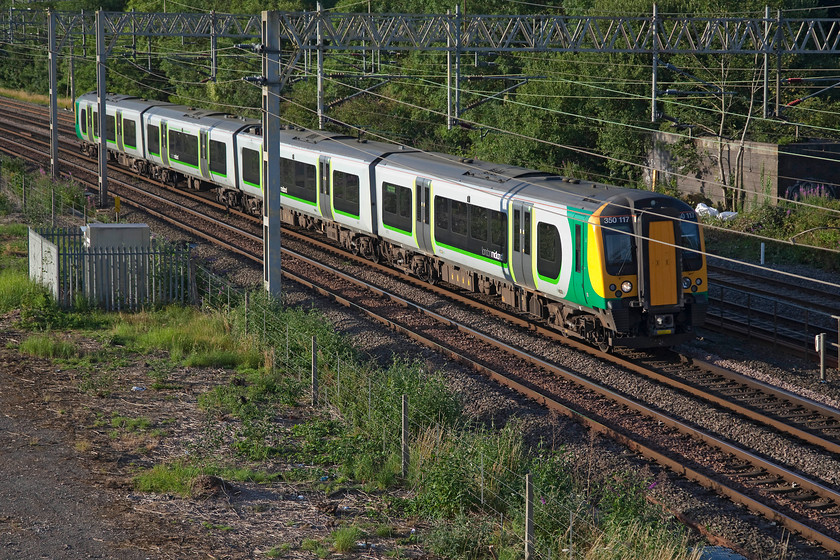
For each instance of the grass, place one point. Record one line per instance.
(37, 98)
(48, 346)
(344, 539)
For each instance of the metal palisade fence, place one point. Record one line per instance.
(114, 278)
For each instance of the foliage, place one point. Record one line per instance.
(815, 222)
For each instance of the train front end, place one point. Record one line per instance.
(646, 259)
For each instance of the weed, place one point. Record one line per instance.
(344, 539)
(279, 551)
(208, 525)
(173, 478)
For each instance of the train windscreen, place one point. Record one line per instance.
(619, 251)
(690, 239)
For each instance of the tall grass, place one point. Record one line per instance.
(16, 289)
(48, 346)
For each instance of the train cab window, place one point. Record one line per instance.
(83, 120)
(690, 239)
(396, 207)
(153, 138)
(549, 256)
(130, 133)
(619, 249)
(183, 148)
(251, 167)
(299, 180)
(218, 158)
(346, 193)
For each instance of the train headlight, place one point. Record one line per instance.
(694, 288)
(686, 283)
(626, 286)
(612, 287)
(698, 281)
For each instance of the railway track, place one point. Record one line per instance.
(790, 494)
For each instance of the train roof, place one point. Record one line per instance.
(338, 145)
(125, 101)
(512, 180)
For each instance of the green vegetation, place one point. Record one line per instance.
(48, 346)
(344, 539)
(793, 225)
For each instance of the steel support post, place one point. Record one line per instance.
(448, 72)
(213, 47)
(766, 68)
(655, 76)
(101, 90)
(320, 77)
(457, 111)
(53, 96)
(271, 151)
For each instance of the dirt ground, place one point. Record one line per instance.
(66, 472)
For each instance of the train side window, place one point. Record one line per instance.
(527, 236)
(111, 128)
(396, 207)
(183, 148)
(460, 218)
(550, 251)
(96, 123)
(83, 120)
(251, 167)
(516, 221)
(218, 158)
(299, 180)
(346, 193)
(153, 136)
(441, 215)
(478, 223)
(578, 247)
(478, 230)
(130, 134)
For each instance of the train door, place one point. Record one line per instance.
(119, 132)
(89, 118)
(203, 159)
(660, 259)
(164, 143)
(580, 258)
(521, 250)
(324, 181)
(423, 213)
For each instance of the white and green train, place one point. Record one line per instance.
(614, 266)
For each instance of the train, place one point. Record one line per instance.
(616, 267)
